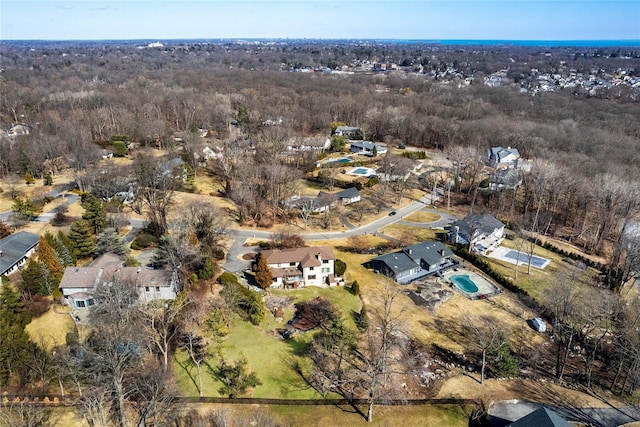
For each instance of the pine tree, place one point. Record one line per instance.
(81, 237)
(14, 341)
(47, 179)
(94, 212)
(48, 257)
(28, 178)
(60, 250)
(110, 241)
(263, 275)
(64, 239)
(36, 279)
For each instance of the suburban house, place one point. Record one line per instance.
(414, 262)
(349, 132)
(542, 417)
(505, 179)
(324, 200)
(308, 143)
(15, 249)
(295, 267)
(499, 157)
(481, 232)
(367, 148)
(79, 284)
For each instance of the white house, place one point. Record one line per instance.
(324, 200)
(367, 148)
(79, 284)
(308, 143)
(302, 266)
(15, 249)
(349, 132)
(481, 232)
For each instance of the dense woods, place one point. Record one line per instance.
(82, 103)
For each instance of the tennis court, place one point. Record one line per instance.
(521, 258)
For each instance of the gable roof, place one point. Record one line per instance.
(91, 277)
(348, 193)
(542, 417)
(14, 247)
(305, 256)
(474, 224)
(396, 261)
(429, 252)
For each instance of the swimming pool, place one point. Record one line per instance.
(360, 171)
(523, 258)
(341, 160)
(465, 283)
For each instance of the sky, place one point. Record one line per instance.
(355, 19)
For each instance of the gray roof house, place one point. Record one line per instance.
(367, 148)
(542, 417)
(414, 262)
(349, 132)
(505, 179)
(15, 249)
(78, 284)
(481, 232)
(500, 157)
(324, 200)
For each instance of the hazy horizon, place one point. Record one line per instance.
(515, 20)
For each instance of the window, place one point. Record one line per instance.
(80, 304)
(292, 264)
(325, 261)
(326, 270)
(310, 268)
(311, 277)
(157, 288)
(147, 289)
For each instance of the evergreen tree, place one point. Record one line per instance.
(263, 275)
(47, 256)
(36, 279)
(207, 269)
(94, 212)
(236, 378)
(47, 179)
(14, 341)
(28, 178)
(60, 250)
(81, 237)
(110, 241)
(25, 208)
(64, 240)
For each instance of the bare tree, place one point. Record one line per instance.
(488, 336)
(161, 324)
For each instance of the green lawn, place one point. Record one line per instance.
(268, 355)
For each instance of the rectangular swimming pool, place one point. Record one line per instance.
(523, 258)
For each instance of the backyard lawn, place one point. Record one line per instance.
(50, 329)
(267, 353)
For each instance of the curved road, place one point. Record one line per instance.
(234, 263)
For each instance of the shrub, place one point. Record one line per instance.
(143, 241)
(340, 267)
(355, 288)
(227, 277)
(193, 278)
(38, 305)
(207, 269)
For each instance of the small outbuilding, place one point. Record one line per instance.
(538, 324)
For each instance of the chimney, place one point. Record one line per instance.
(319, 257)
(441, 252)
(456, 231)
(410, 251)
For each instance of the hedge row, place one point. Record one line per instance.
(574, 256)
(483, 265)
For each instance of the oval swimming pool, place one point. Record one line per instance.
(464, 282)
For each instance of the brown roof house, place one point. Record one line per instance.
(79, 284)
(302, 267)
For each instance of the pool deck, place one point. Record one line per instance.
(502, 251)
(485, 287)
